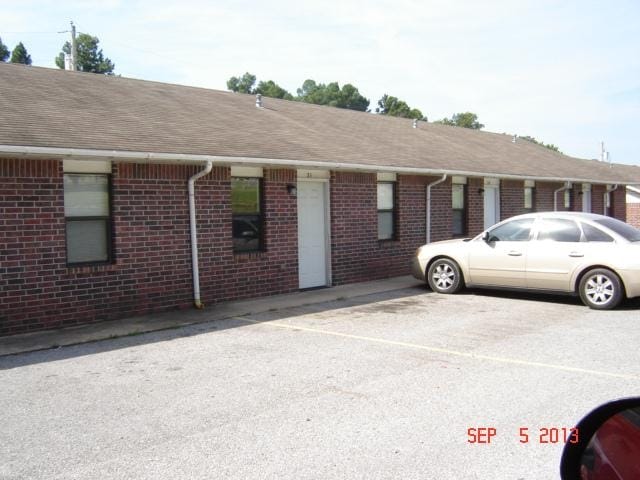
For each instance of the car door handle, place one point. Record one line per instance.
(515, 253)
(576, 254)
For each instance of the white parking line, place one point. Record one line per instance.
(446, 351)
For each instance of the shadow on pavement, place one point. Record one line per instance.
(402, 299)
(136, 339)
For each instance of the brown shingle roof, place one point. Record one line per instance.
(41, 107)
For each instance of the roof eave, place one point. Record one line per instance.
(32, 152)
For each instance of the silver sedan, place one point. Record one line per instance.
(592, 255)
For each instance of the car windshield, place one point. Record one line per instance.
(623, 229)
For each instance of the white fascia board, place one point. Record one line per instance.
(14, 151)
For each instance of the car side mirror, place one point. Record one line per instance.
(606, 440)
(485, 237)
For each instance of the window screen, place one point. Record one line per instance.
(459, 214)
(386, 211)
(87, 216)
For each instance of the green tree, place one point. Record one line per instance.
(271, 89)
(244, 84)
(464, 120)
(20, 55)
(392, 106)
(90, 58)
(4, 52)
(331, 94)
(550, 146)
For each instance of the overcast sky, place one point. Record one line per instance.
(565, 72)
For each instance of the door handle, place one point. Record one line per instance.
(576, 254)
(515, 253)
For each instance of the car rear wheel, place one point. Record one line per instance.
(600, 289)
(444, 276)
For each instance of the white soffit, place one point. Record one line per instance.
(386, 176)
(246, 172)
(86, 166)
(321, 174)
(491, 182)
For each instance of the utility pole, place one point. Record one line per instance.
(74, 49)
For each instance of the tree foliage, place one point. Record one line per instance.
(311, 92)
(242, 84)
(332, 95)
(273, 90)
(20, 55)
(4, 52)
(464, 120)
(550, 146)
(392, 106)
(90, 58)
(246, 84)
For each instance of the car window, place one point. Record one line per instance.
(594, 234)
(558, 230)
(513, 231)
(623, 229)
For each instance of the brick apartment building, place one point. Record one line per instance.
(96, 219)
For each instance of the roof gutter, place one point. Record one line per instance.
(565, 187)
(194, 232)
(607, 197)
(177, 158)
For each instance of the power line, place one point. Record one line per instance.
(30, 33)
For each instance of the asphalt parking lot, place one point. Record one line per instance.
(378, 386)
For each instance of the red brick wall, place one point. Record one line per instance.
(619, 203)
(544, 197)
(441, 216)
(228, 276)
(475, 206)
(633, 214)
(152, 266)
(512, 198)
(32, 244)
(597, 198)
(357, 254)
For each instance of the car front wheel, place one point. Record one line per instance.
(600, 289)
(444, 276)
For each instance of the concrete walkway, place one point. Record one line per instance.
(30, 342)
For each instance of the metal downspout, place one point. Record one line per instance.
(607, 196)
(567, 186)
(428, 220)
(194, 232)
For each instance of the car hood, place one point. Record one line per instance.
(445, 242)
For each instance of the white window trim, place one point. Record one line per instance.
(86, 166)
(386, 177)
(459, 180)
(254, 172)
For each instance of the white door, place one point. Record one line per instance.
(312, 234)
(491, 205)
